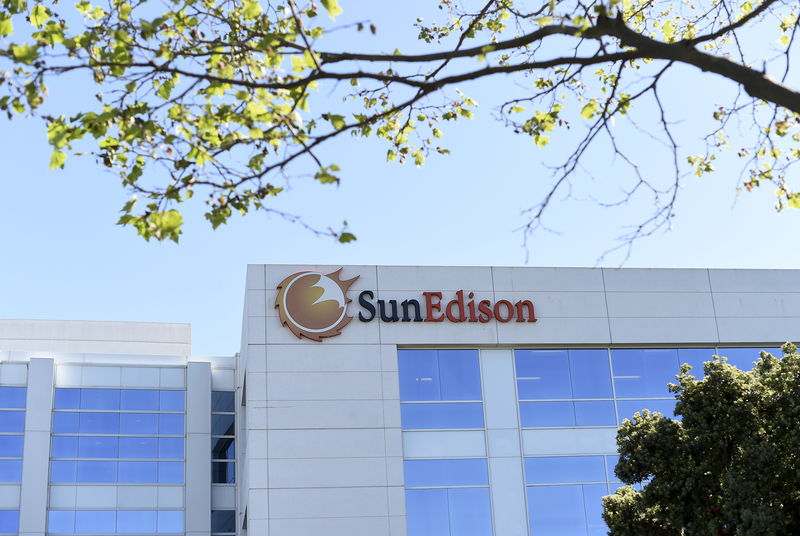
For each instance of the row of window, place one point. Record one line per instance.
(119, 399)
(10, 445)
(118, 423)
(12, 421)
(9, 521)
(223, 430)
(102, 472)
(114, 521)
(169, 448)
(12, 397)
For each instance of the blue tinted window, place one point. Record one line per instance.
(65, 447)
(428, 512)
(63, 471)
(139, 423)
(459, 375)
(95, 521)
(611, 463)
(644, 373)
(743, 358)
(171, 448)
(565, 469)
(222, 425)
(536, 414)
(10, 446)
(433, 416)
(65, 422)
(223, 472)
(170, 521)
(470, 512)
(98, 447)
(12, 421)
(61, 521)
(419, 375)
(137, 521)
(593, 504)
(138, 472)
(67, 398)
(223, 401)
(96, 472)
(223, 520)
(695, 357)
(223, 448)
(100, 399)
(12, 397)
(627, 408)
(9, 521)
(591, 377)
(170, 424)
(438, 473)
(138, 447)
(542, 374)
(556, 510)
(139, 399)
(594, 413)
(99, 423)
(170, 472)
(172, 401)
(10, 470)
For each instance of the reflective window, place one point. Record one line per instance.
(443, 415)
(170, 521)
(564, 469)
(223, 472)
(61, 521)
(170, 424)
(95, 521)
(99, 423)
(133, 521)
(139, 423)
(743, 358)
(430, 375)
(223, 521)
(98, 447)
(65, 423)
(97, 471)
(221, 402)
(642, 373)
(560, 510)
(63, 471)
(626, 408)
(9, 521)
(110, 521)
(12, 398)
(172, 401)
(577, 413)
(222, 424)
(170, 472)
(137, 472)
(67, 399)
(10, 446)
(223, 448)
(440, 473)
(554, 374)
(139, 399)
(138, 447)
(100, 399)
(453, 512)
(223, 431)
(10, 470)
(695, 357)
(64, 447)
(170, 448)
(12, 421)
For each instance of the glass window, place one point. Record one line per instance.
(454, 512)
(139, 423)
(594, 413)
(223, 473)
(430, 473)
(223, 521)
(10, 470)
(136, 521)
(100, 399)
(223, 401)
(428, 512)
(222, 425)
(591, 377)
(170, 424)
(611, 463)
(170, 521)
(9, 521)
(743, 358)
(12, 397)
(99, 423)
(67, 398)
(541, 414)
(642, 373)
(460, 375)
(627, 408)
(138, 447)
(542, 374)
(63, 471)
(695, 357)
(470, 512)
(65, 447)
(61, 521)
(96, 472)
(170, 472)
(442, 416)
(439, 375)
(223, 448)
(138, 472)
(556, 510)
(10, 446)
(593, 504)
(98, 447)
(564, 469)
(95, 521)
(170, 448)
(12, 421)
(172, 401)
(139, 399)
(65, 422)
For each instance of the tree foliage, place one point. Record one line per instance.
(728, 467)
(217, 97)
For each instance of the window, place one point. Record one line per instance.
(9, 521)
(223, 521)
(223, 433)
(113, 522)
(743, 358)
(12, 428)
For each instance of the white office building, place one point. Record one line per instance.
(366, 401)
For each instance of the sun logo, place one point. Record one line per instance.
(314, 305)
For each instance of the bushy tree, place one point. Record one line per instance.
(215, 97)
(728, 467)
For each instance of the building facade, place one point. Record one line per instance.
(366, 401)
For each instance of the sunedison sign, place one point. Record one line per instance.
(314, 305)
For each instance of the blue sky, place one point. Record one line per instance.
(63, 256)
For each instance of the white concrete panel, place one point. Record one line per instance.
(172, 378)
(256, 416)
(755, 280)
(327, 473)
(101, 376)
(391, 413)
(396, 499)
(548, 279)
(334, 526)
(140, 377)
(560, 304)
(13, 374)
(437, 332)
(569, 441)
(256, 330)
(68, 375)
(170, 496)
(435, 278)
(701, 330)
(257, 504)
(756, 304)
(555, 331)
(323, 385)
(255, 276)
(63, 496)
(9, 496)
(256, 303)
(444, 444)
(366, 274)
(391, 385)
(324, 358)
(327, 414)
(256, 386)
(499, 392)
(137, 497)
(397, 526)
(394, 471)
(270, 298)
(327, 502)
(354, 333)
(256, 359)
(256, 527)
(507, 486)
(759, 330)
(504, 442)
(198, 451)
(223, 497)
(257, 469)
(394, 441)
(388, 357)
(325, 443)
(658, 304)
(88, 497)
(656, 280)
(222, 379)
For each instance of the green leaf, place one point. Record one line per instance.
(344, 238)
(39, 15)
(26, 54)
(588, 111)
(252, 10)
(333, 7)
(166, 224)
(57, 159)
(6, 26)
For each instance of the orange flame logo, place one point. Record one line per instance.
(314, 305)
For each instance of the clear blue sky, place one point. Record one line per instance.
(63, 257)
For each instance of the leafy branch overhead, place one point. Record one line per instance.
(224, 99)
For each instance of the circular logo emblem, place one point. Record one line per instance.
(314, 305)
